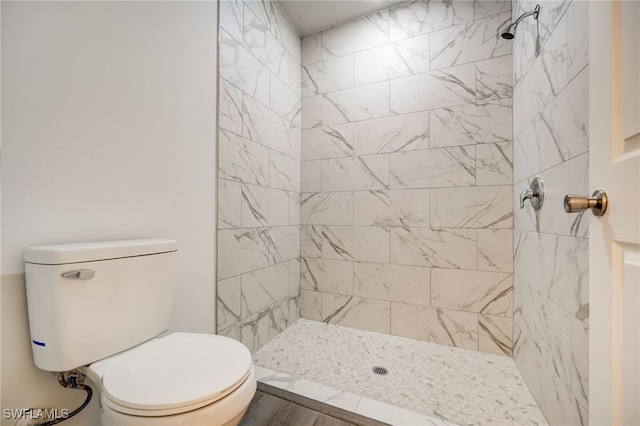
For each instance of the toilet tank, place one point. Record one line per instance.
(90, 301)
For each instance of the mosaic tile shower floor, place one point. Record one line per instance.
(455, 385)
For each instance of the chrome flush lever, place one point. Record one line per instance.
(535, 193)
(79, 274)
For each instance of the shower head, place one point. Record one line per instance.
(510, 32)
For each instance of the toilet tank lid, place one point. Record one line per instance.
(61, 254)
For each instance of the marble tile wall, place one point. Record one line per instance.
(259, 172)
(406, 178)
(550, 110)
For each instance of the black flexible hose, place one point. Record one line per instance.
(86, 402)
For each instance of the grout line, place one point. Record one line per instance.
(355, 410)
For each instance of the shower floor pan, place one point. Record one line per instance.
(424, 384)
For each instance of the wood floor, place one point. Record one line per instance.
(283, 408)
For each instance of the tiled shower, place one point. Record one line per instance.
(369, 176)
(406, 209)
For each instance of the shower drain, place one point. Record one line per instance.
(380, 370)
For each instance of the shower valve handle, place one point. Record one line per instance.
(527, 194)
(535, 193)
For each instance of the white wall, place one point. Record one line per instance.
(109, 120)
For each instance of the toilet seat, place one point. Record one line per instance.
(175, 374)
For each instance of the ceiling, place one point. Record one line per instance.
(310, 16)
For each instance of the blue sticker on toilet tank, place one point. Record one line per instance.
(38, 343)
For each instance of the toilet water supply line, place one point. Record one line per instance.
(72, 380)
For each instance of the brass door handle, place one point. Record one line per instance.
(577, 203)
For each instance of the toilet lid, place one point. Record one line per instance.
(174, 374)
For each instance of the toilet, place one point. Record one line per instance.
(101, 307)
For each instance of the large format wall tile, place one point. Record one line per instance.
(284, 172)
(362, 243)
(311, 48)
(474, 207)
(471, 42)
(262, 206)
(263, 287)
(484, 8)
(327, 208)
(390, 208)
(310, 241)
(242, 160)
(328, 276)
(495, 335)
(231, 18)
(284, 101)
(283, 243)
(558, 133)
(567, 117)
(327, 76)
(452, 328)
(546, 326)
(565, 280)
(328, 142)
(285, 32)
(265, 47)
(493, 79)
(229, 301)
(495, 250)
(261, 10)
(472, 123)
(397, 283)
(355, 173)
(577, 38)
(264, 126)
(356, 312)
(551, 306)
(229, 204)
(242, 69)
(311, 176)
(494, 164)
(294, 276)
(407, 168)
(406, 57)
(443, 248)
(363, 33)
(244, 250)
(435, 89)
(580, 361)
(256, 330)
(259, 172)
(311, 305)
(434, 168)
(359, 103)
(421, 17)
(312, 112)
(472, 291)
(407, 132)
(230, 107)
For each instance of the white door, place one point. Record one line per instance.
(614, 239)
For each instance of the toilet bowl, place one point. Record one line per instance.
(101, 307)
(180, 379)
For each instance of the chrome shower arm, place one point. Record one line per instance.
(535, 12)
(509, 33)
